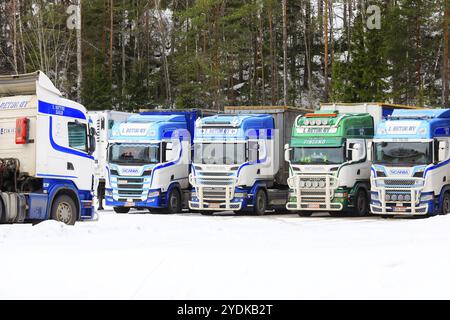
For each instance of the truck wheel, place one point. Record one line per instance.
(64, 210)
(445, 204)
(2, 210)
(361, 204)
(174, 202)
(260, 203)
(305, 213)
(121, 210)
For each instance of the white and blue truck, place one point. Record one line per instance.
(149, 159)
(238, 162)
(46, 146)
(410, 173)
(103, 122)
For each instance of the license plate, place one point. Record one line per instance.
(399, 209)
(214, 205)
(314, 206)
(128, 204)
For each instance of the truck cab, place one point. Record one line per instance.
(149, 161)
(411, 168)
(329, 167)
(46, 147)
(238, 164)
(103, 122)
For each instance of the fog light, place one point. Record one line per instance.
(388, 197)
(315, 184)
(322, 184)
(401, 198)
(407, 197)
(394, 197)
(308, 184)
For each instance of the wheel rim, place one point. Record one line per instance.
(64, 212)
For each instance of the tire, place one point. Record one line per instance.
(305, 214)
(2, 211)
(260, 206)
(361, 204)
(121, 210)
(445, 204)
(64, 210)
(174, 205)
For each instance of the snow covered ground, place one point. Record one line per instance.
(143, 256)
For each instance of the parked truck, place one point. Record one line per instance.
(149, 159)
(103, 122)
(46, 146)
(411, 166)
(238, 160)
(329, 165)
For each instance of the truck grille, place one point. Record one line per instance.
(131, 187)
(214, 194)
(391, 182)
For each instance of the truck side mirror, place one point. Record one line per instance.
(92, 142)
(369, 151)
(443, 151)
(287, 153)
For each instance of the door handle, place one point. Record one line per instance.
(70, 166)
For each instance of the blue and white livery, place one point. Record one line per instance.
(411, 167)
(149, 161)
(46, 146)
(238, 160)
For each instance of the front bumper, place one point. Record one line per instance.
(399, 196)
(309, 197)
(214, 193)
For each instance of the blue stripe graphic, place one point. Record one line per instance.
(53, 109)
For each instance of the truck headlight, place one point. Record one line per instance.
(152, 194)
(240, 195)
(427, 197)
(341, 195)
(108, 192)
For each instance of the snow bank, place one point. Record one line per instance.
(141, 256)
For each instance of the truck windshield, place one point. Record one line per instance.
(403, 153)
(308, 155)
(130, 153)
(219, 153)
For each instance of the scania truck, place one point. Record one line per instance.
(329, 164)
(411, 167)
(238, 160)
(149, 159)
(46, 146)
(103, 122)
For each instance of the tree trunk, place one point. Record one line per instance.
(272, 57)
(111, 38)
(285, 83)
(79, 53)
(325, 24)
(445, 70)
